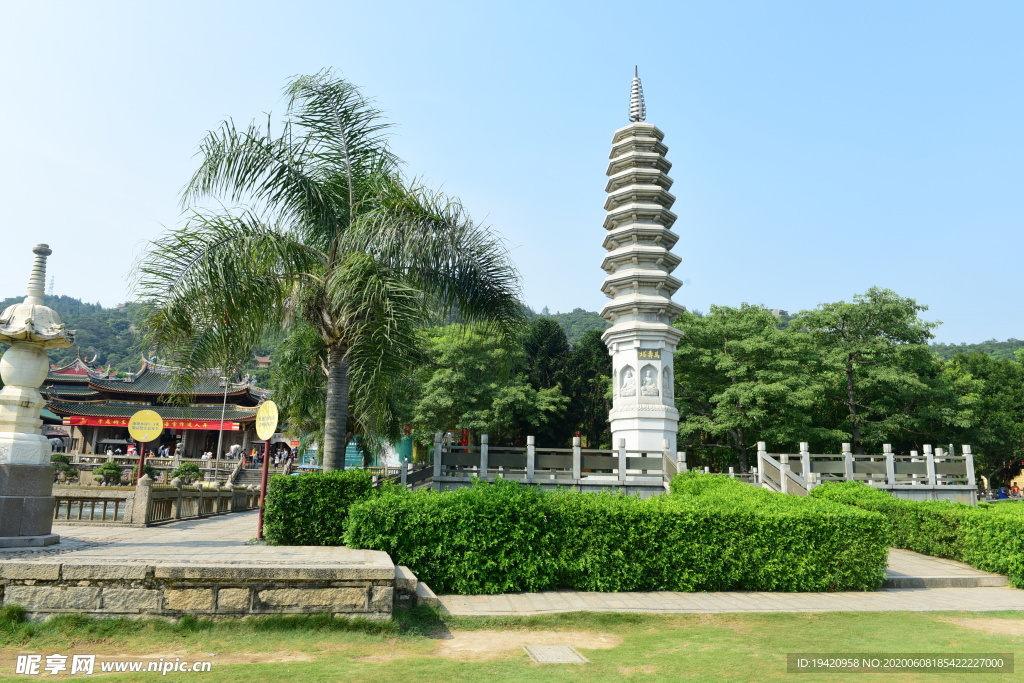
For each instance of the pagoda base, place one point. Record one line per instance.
(26, 506)
(647, 428)
(29, 541)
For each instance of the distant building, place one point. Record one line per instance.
(262, 361)
(95, 408)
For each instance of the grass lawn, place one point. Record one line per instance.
(422, 645)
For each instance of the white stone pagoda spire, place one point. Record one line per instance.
(26, 477)
(640, 284)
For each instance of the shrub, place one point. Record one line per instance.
(990, 538)
(62, 464)
(110, 472)
(188, 472)
(148, 470)
(311, 509)
(929, 527)
(711, 534)
(994, 541)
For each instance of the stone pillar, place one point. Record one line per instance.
(141, 502)
(26, 477)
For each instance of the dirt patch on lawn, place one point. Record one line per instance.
(477, 645)
(999, 627)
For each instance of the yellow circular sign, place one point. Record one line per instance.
(145, 425)
(266, 420)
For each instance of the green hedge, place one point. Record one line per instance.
(994, 541)
(711, 534)
(311, 509)
(990, 538)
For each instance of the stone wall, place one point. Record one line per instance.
(165, 590)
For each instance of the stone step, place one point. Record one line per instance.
(993, 581)
(425, 596)
(908, 569)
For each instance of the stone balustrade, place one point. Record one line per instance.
(642, 472)
(148, 503)
(928, 474)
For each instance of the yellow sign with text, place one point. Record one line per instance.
(266, 420)
(145, 425)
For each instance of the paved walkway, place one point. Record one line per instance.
(228, 539)
(886, 600)
(214, 541)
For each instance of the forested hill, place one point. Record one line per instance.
(105, 333)
(1002, 350)
(574, 324)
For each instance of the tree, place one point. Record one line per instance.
(874, 360)
(546, 351)
(62, 466)
(334, 237)
(188, 472)
(472, 382)
(997, 435)
(110, 472)
(740, 379)
(589, 387)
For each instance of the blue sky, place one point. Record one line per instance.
(819, 148)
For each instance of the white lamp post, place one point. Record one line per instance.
(223, 409)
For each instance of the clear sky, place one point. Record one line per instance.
(819, 148)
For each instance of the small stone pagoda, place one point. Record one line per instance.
(639, 263)
(26, 477)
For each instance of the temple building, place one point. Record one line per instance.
(95, 408)
(639, 264)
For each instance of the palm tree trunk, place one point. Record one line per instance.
(336, 422)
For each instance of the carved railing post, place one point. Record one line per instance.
(141, 512)
(438, 454)
(484, 465)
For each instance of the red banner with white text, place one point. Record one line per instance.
(76, 421)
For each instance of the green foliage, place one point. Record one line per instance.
(589, 376)
(188, 472)
(994, 541)
(62, 464)
(990, 538)
(312, 509)
(575, 324)
(709, 535)
(110, 472)
(148, 470)
(472, 382)
(341, 242)
(740, 379)
(999, 350)
(997, 435)
(877, 371)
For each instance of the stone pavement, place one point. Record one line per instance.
(908, 569)
(216, 541)
(886, 600)
(228, 540)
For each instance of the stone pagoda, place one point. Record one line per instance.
(639, 263)
(26, 477)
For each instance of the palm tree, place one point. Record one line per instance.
(328, 236)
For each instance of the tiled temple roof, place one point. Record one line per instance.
(156, 380)
(76, 372)
(71, 391)
(233, 413)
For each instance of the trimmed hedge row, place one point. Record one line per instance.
(711, 534)
(988, 537)
(312, 509)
